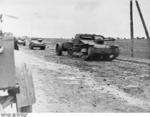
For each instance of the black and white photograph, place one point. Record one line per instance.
(74, 56)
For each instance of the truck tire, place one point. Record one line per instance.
(59, 49)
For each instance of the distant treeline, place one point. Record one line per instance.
(138, 38)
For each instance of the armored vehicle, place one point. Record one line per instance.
(89, 47)
(21, 41)
(37, 43)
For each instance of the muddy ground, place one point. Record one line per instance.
(65, 84)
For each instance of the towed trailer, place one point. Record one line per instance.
(16, 83)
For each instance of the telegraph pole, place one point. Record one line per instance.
(0, 25)
(131, 28)
(142, 19)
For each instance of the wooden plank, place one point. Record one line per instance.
(7, 66)
(27, 94)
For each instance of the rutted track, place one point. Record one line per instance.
(117, 86)
(134, 60)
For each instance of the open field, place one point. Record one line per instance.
(141, 48)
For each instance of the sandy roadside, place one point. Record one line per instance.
(63, 88)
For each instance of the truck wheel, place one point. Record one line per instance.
(90, 54)
(59, 49)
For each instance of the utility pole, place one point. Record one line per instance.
(1, 18)
(0, 25)
(131, 28)
(142, 19)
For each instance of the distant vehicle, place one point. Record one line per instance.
(89, 47)
(21, 41)
(37, 43)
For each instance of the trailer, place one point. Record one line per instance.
(16, 83)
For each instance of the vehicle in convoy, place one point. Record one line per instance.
(89, 47)
(37, 43)
(21, 41)
(16, 83)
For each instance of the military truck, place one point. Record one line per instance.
(89, 47)
(16, 84)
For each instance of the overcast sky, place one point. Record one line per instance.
(64, 18)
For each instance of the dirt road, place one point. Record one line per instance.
(65, 84)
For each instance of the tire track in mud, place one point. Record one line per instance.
(84, 78)
(133, 60)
